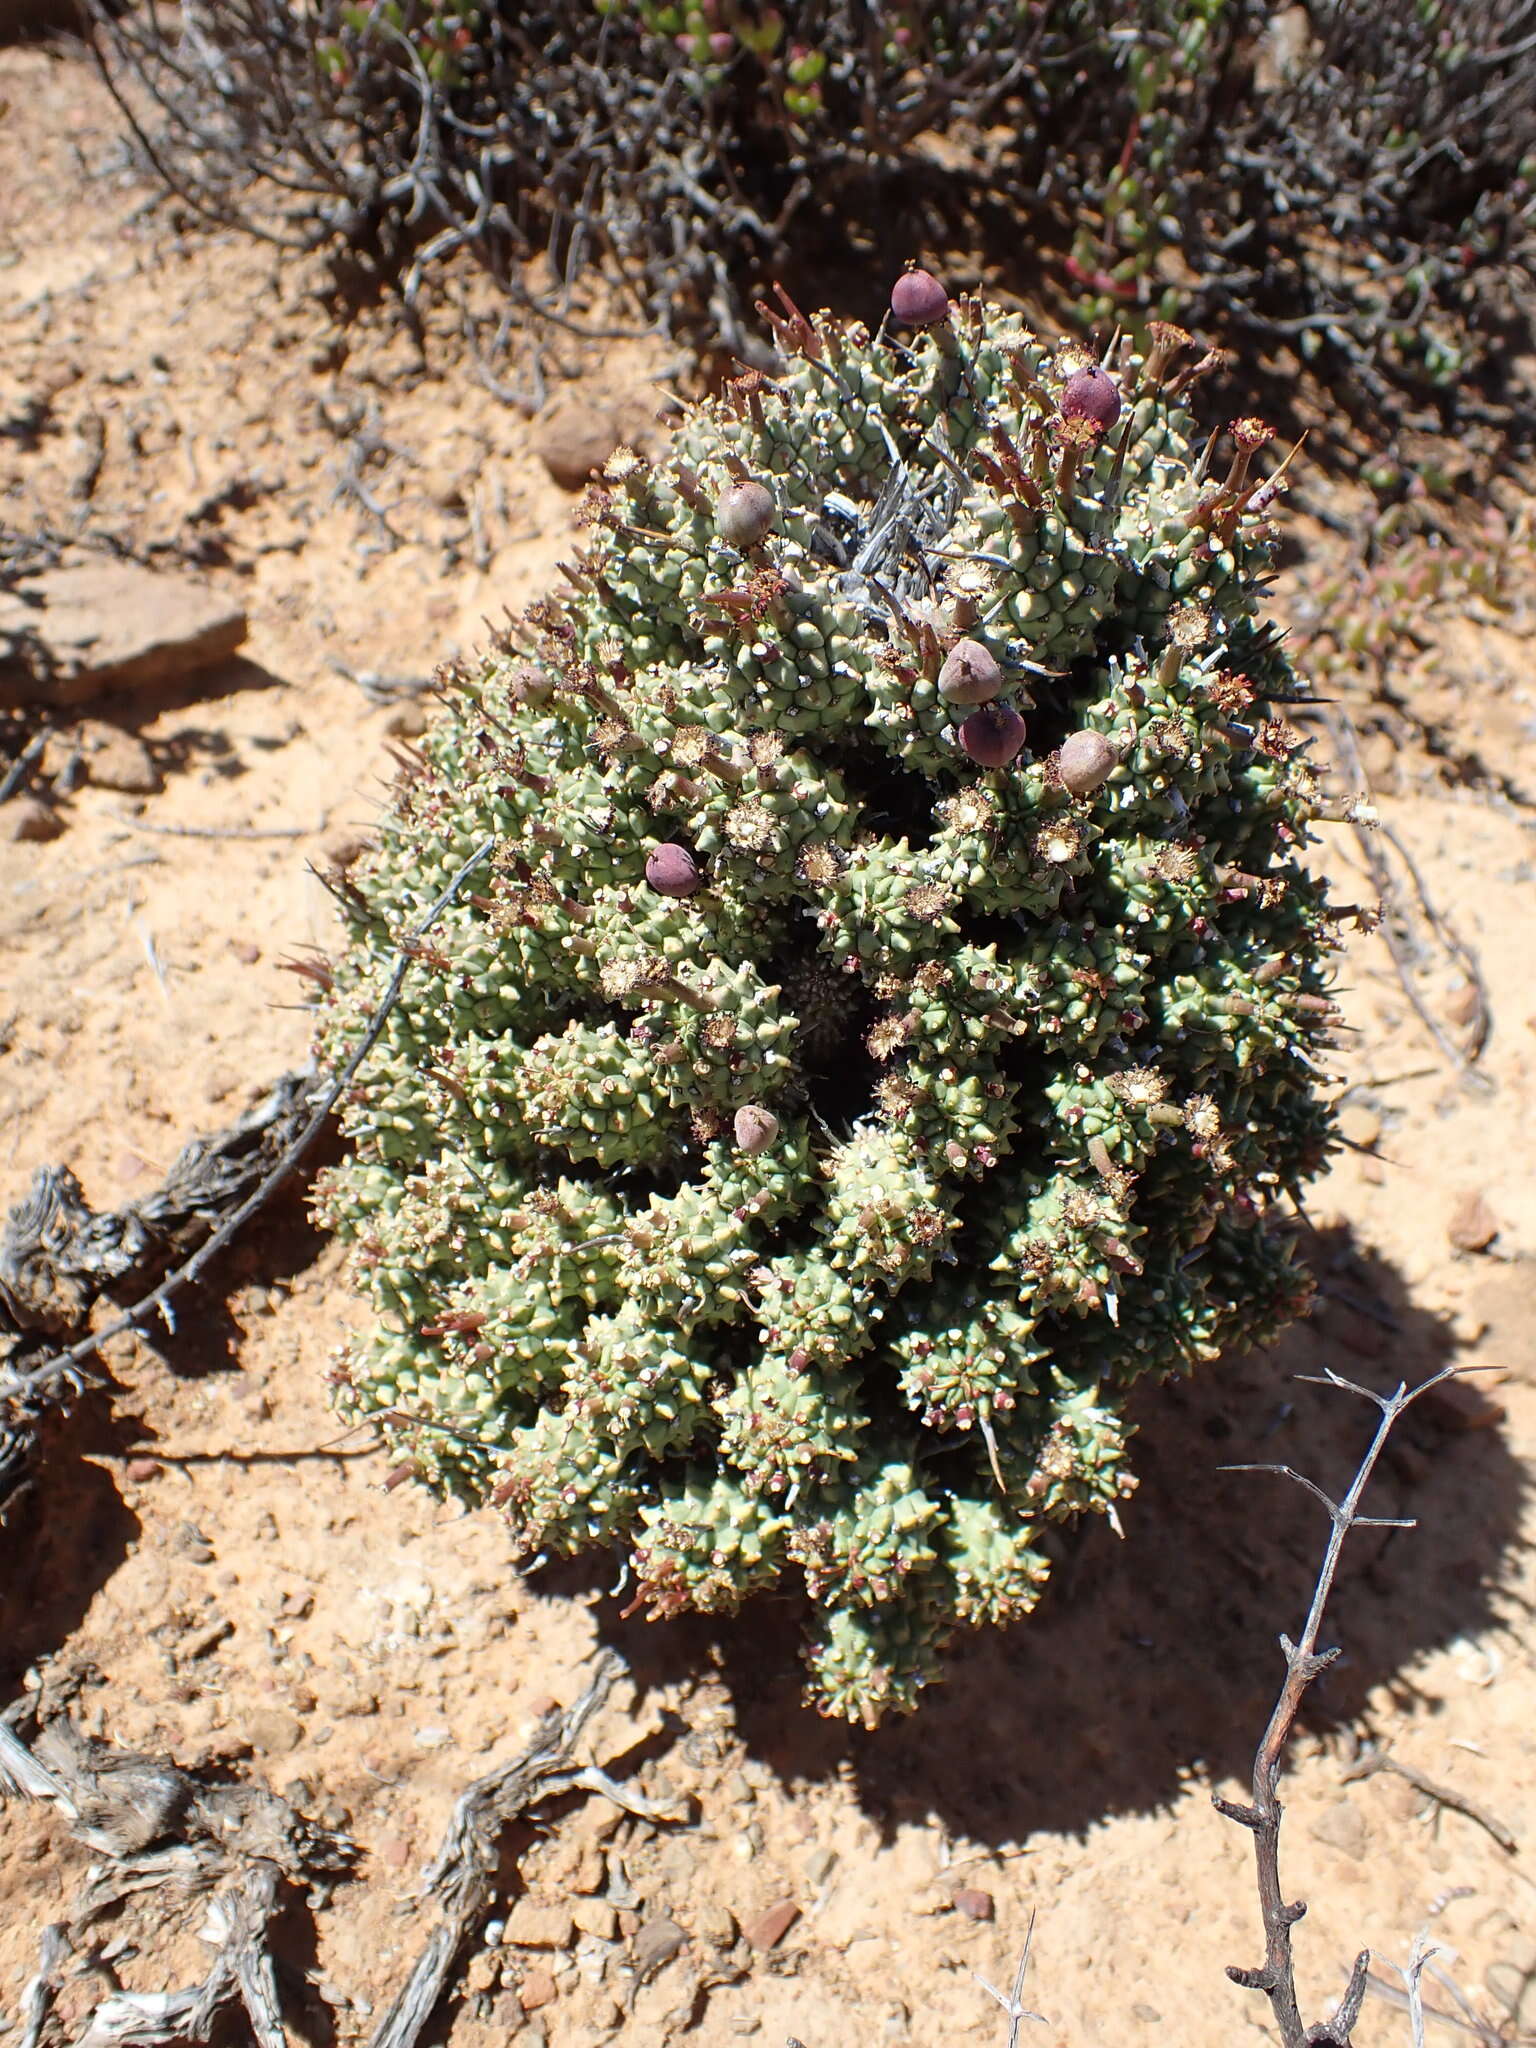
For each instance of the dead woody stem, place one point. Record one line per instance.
(1276, 1977)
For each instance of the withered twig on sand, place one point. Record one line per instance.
(1276, 1976)
(462, 1875)
(240, 1851)
(66, 1369)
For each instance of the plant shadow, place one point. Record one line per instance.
(1156, 1655)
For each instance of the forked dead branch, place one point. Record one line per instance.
(1304, 1662)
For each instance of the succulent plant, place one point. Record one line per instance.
(820, 1108)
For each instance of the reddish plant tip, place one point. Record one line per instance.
(919, 300)
(1086, 759)
(745, 514)
(672, 871)
(970, 675)
(1091, 394)
(992, 735)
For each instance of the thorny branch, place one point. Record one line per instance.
(1013, 2004)
(1276, 1976)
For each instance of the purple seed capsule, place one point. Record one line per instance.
(755, 1128)
(745, 514)
(919, 300)
(992, 735)
(970, 675)
(1091, 394)
(1086, 759)
(672, 871)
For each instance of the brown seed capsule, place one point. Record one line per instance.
(992, 735)
(755, 1128)
(1091, 394)
(745, 514)
(671, 870)
(1086, 759)
(919, 300)
(970, 675)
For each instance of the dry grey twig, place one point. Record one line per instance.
(1304, 1662)
(462, 1876)
(237, 1851)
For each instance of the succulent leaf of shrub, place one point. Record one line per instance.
(891, 1010)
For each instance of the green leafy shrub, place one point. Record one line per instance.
(889, 1010)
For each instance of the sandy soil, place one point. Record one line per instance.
(230, 1582)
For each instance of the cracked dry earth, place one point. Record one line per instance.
(229, 1581)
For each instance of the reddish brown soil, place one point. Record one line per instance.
(375, 1650)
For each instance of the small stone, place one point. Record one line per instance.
(599, 1818)
(745, 514)
(273, 1731)
(1472, 1226)
(1461, 1406)
(395, 1852)
(28, 817)
(99, 626)
(770, 1928)
(918, 299)
(597, 1918)
(1147, 2014)
(577, 1867)
(656, 1942)
(115, 759)
(974, 1904)
(713, 1923)
(1359, 1126)
(407, 721)
(819, 1864)
(1464, 1004)
(603, 2013)
(572, 440)
(530, 1925)
(537, 1989)
(189, 1541)
(931, 1900)
(1342, 1826)
(246, 951)
(1086, 759)
(141, 1469)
